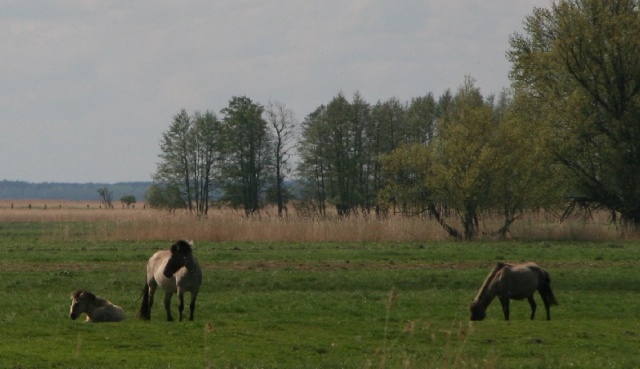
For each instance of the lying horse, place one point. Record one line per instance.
(96, 308)
(516, 282)
(176, 271)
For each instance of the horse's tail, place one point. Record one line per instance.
(545, 288)
(145, 312)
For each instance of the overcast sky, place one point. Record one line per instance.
(88, 86)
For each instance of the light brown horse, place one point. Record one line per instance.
(513, 282)
(176, 271)
(96, 308)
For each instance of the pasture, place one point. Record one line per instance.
(325, 304)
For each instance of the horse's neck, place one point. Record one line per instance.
(487, 295)
(488, 290)
(192, 266)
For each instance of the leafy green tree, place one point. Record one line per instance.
(128, 200)
(334, 154)
(525, 176)
(421, 117)
(189, 152)
(386, 131)
(313, 168)
(463, 159)
(246, 151)
(580, 62)
(164, 197)
(206, 127)
(483, 161)
(406, 169)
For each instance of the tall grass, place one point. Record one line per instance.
(91, 221)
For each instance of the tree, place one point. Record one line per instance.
(525, 176)
(421, 117)
(406, 169)
(189, 152)
(313, 169)
(128, 200)
(106, 195)
(245, 146)
(282, 123)
(463, 160)
(580, 62)
(164, 197)
(334, 156)
(479, 162)
(206, 128)
(386, 131)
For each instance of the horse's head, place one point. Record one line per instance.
(80, 301)
(478, 312)
(181, 256)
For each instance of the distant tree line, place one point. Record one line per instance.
(566, 136)
(18, 190)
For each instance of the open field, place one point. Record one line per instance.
(302, 304)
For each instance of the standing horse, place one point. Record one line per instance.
(96, 308)
(516, 282)
(175, 270)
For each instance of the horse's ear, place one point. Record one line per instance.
(75, 294)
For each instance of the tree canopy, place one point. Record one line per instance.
(579, 62)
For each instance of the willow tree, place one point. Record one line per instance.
(463, 159)
(579, 61)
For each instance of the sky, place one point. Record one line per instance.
(87, 87)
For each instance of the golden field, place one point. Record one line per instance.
(140, 223)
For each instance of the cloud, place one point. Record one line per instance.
(94, 81)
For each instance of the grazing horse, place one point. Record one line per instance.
(516, 282)
(96, 308)
(175, 270)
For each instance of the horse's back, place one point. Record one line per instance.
(520, 280)
(108, 312)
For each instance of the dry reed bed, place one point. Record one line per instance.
(143, 224)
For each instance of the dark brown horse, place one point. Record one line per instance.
(513, 282)
(175, 270)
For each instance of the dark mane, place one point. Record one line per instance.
(487, 281)
(181, 246)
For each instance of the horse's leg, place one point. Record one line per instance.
(180, 303)
(532, 303)
(192, 306)
(167, 305)
(152, 292)
(547, 306)
(504, 301)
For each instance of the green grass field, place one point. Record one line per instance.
(319, 305)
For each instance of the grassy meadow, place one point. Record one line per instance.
(305, 293)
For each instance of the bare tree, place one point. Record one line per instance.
(283, 123)
(105, 195)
